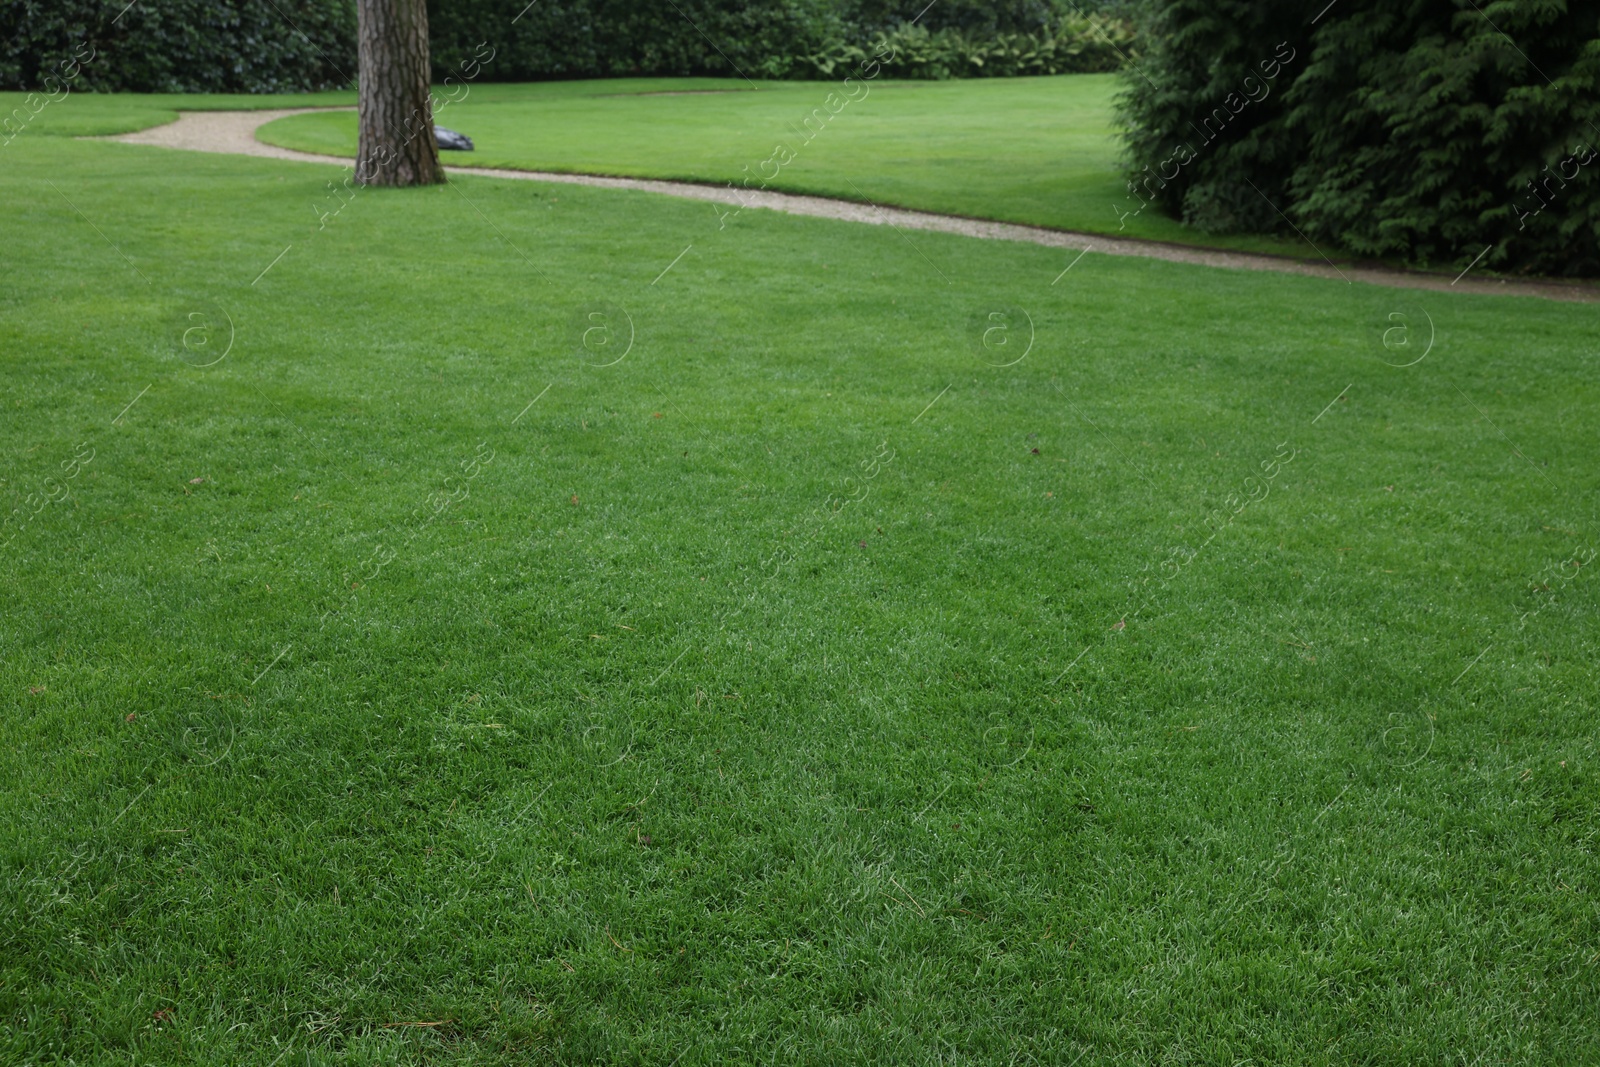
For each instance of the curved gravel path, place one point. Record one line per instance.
(233, 132)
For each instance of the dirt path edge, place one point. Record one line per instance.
(234, 133)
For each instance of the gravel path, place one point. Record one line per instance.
(233, 132)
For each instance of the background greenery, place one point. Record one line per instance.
(1034, 150)
(269, 46)
(1408, 129)
(580, 776)
(776, 38)
(181, 46)
(1413, 133)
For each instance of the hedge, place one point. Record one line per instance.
(776, 39)
(181, 46)
(1429, 131)
(265, 46)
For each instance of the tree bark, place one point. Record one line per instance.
(397, 145)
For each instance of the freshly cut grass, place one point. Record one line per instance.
(832, 676)
(1033, 150)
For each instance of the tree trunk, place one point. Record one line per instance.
(397, 145)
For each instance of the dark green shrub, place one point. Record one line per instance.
(614, 38)
(261, 46)
(1092, 43)
(233, 46)
(770, 39)
(1413, 130)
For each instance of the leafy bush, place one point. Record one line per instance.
(178, 46)
(1091, 43)
(1427, 131)
(771, 39)
(612, 38)
(263, 46)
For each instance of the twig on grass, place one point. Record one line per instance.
(1331, 803)
(913, 899)
(637, 804)
(131, 803)
(932, 402)
(932, 802)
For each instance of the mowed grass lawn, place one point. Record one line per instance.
(1043, 151)
(399, 667)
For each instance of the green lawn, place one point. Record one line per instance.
(103, 114)
(1033, 150)
(399, 667)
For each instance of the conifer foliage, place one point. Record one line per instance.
(1425, 130)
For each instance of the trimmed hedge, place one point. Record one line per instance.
(181, 46)
(1076, 45)
(267, 46)
(776, 39)
(615, 38)
(1427, 131)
